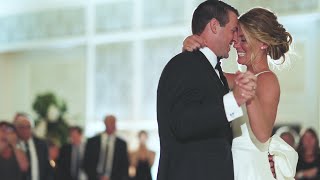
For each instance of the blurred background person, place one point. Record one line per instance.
(142, 159)
(35, 149)
(309, 158)
(71, 156)
(13, 161)
(106, 155)
(288, 138)
(2, 140)
(289, 135)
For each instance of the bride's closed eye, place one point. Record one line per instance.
(243, 39)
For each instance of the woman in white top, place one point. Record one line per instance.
(259, 35)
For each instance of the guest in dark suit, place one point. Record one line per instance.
(106, 156)
(35, 149)
(194, 105)
(71, 156)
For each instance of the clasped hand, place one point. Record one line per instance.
(245, 85)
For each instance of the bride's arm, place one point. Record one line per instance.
(262, 109)
(193, 42)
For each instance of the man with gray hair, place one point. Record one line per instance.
(35, 149)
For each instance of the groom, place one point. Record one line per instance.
(194, 105)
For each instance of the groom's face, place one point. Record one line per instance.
(227, 35)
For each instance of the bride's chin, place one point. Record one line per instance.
(240, 62)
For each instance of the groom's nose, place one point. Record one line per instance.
(235, 39)
(236, 43)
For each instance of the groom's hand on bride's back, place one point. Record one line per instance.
(245, 85)
(271, 162)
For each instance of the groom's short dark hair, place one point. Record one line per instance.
(208, 10)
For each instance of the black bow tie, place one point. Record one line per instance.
(222, 77)
(218, 65)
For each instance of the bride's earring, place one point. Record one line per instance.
(263, 47)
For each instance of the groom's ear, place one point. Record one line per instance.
(214, 23)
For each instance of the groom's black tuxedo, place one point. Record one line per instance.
(193, 128)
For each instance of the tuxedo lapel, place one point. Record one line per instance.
(212, 74)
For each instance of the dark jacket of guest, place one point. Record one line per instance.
(9, 168)
(45, 170)
(120, 163)
(64, 163)
(303, 165)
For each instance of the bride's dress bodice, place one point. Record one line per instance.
(243, 136)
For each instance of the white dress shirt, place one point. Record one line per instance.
(81, 173)
(109, 157)
(33, 161)
(231, 107)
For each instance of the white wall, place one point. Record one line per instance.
(29, 73)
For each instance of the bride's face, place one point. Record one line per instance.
(242, 48)
(246, 51)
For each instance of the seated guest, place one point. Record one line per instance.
(288, 138)
(289, 135)
(13, 161)
(71, 156)
(308, 167)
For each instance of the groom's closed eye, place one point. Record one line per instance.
(234, 29)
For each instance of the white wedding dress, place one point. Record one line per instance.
(250, 157)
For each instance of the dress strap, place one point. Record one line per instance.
(261, 73)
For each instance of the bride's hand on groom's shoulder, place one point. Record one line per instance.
(193, 42)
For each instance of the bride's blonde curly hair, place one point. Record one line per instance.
(262, 24)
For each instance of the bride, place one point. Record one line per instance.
(259, 35)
